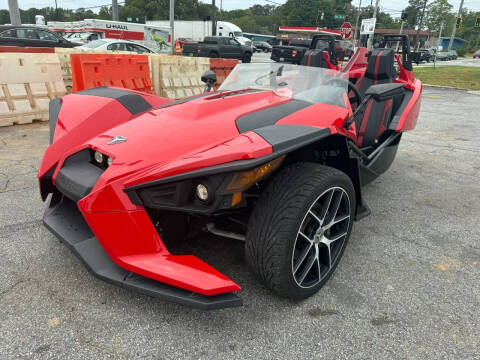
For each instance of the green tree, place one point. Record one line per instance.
(437, 12)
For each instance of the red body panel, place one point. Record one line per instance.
(410, 115)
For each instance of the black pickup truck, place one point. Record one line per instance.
(219, 46)
(292, 53)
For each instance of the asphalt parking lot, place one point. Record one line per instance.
(408, 286)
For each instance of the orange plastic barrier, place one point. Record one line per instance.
(19, 49)
(222, 67)
(126, 71)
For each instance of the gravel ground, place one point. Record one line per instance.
(408, 286)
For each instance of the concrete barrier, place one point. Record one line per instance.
(176, 77)
(28, 81)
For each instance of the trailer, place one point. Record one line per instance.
(197, 30)
(155, 37)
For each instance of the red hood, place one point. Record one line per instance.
(165, 134)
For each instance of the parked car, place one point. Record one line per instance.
(262, 46)
(291, 53)
(476, 54)
(447, 55)
(33, 36)
(116, 45)
(219, 46)
(83, 37)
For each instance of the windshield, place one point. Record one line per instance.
(311, 84)
(94, 44)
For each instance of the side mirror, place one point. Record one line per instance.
(384, 92)
(209, 78)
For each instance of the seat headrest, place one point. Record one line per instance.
(380, 64)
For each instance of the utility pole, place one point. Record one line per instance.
(14, 12)
(440, 34)
(400, 33)
(450, 44)
(172, 26)
(214, 18)
(356, 24)
(417, 43)
(114, 10)
(370, 37)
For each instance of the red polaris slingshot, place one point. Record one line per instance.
(277, 157)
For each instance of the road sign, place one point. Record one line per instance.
(339, 16)
(368, 26)
(346, 30)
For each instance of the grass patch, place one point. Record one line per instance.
(456, 76)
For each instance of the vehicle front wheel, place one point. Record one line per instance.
(247, 58)
(213, 55)
(299, 228)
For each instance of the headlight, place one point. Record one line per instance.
(109, 161)
(98, 157)
(202, 192)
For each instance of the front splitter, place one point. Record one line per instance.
(65, 221)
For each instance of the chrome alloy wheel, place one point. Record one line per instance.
(321, 237)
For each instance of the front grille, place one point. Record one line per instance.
(174, 194)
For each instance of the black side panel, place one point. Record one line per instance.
(288, 137)
(65, 221)
(397, 114)
(269, 116)
(78, 176)
(53, 111)
(46, 185)
(374, 121)
(133, 102)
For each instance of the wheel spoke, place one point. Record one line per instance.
(302, 257)
(308, 267)
(305, 237)
(325, 208)
(336, 206)
(329, 257)
(337, 237)
(318, 267)
(315, 217)
(336, 221)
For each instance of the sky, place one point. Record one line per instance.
(391, 6)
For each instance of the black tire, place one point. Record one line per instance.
(247, 57)
(213, 54)
(275, 224)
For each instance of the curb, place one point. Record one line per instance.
(447, 87)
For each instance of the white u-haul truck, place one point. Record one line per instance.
(196, 30)
(154, 37)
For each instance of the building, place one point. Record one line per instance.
(424, 37)
(457, 42)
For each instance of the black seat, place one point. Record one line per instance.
(314, 58)
(377, 115)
